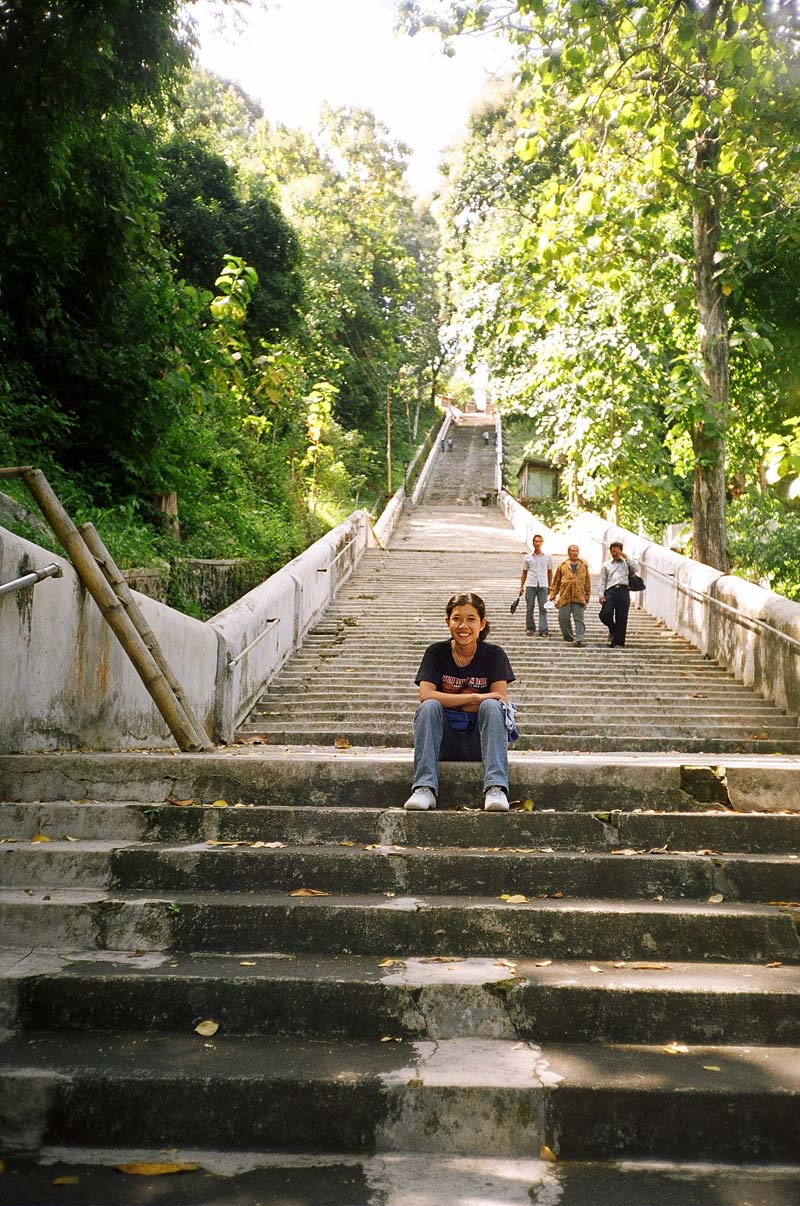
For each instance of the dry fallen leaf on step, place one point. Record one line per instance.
(717, 898)
(443, 959)
(180, 803)
(308, 892)
(593, 968)
(342, 743)
(712, 1067)
(219, 803)
(547, 1153)
(542, 962)
(247, 962)
(528, 805)
(207, 1028)
(347, 843)
(676, 1049)
(516, 899)
(65, 1181)
(41, 837)
(142, 1169)
(774, 963)
(267, 845)
(392, 1038)
(386, 963)
(68, 838)
(759, 736)
(642, 966)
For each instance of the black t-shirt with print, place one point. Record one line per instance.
(489, 665)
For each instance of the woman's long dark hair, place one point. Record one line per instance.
(468, 598)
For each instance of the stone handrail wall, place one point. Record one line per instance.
(262, 629)
(66, 681)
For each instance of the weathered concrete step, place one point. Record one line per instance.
(582, 1101)
(325, 777)
(353, 870)
(716, 831)
(398, 925)
(396, 1179)
(592, 741)
(289, 1093)
(316, 709)
(723, 695)
(323, 725)
(439, 998)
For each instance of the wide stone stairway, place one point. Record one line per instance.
(255, 966)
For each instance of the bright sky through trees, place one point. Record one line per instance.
(301, 53)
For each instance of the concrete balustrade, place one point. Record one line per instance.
(65, 681)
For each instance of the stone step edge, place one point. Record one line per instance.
(573, 1098)
(399, 1178)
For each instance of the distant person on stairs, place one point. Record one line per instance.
(571, 588)
(463, 685)
(537, 569)
(615, 595)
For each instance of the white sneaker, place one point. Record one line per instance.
(421, 799)
(495, 800)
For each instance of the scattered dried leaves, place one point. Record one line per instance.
(207, 1028)
(308, 892)
(142, 1169)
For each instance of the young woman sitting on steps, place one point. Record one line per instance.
(463, 684)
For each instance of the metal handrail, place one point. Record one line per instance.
(49, 571)
(234, 661)
(323, 569)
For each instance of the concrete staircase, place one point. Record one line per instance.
(410, 1008)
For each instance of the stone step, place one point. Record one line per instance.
(349, 996)
(391, 1179)
(327, 777)
(582, 1100)
(354, 870)
(714, 832)
(592, 741)
(397, 925)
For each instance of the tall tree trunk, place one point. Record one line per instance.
(710, 541)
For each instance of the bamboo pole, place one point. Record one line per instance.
(110, 606)
(120, 587)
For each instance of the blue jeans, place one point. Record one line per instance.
(533, 595)
(566, 614)
(434, 740)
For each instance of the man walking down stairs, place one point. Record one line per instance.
(250, 976)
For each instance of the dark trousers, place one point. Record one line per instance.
(614, 613)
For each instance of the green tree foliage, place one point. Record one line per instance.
(84, 287)
(166, 326)
(684, 109)
(204, 219)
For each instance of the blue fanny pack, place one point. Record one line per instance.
(461, 721)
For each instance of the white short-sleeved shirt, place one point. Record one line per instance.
(538, 566)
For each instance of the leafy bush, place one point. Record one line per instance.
(764, 542)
